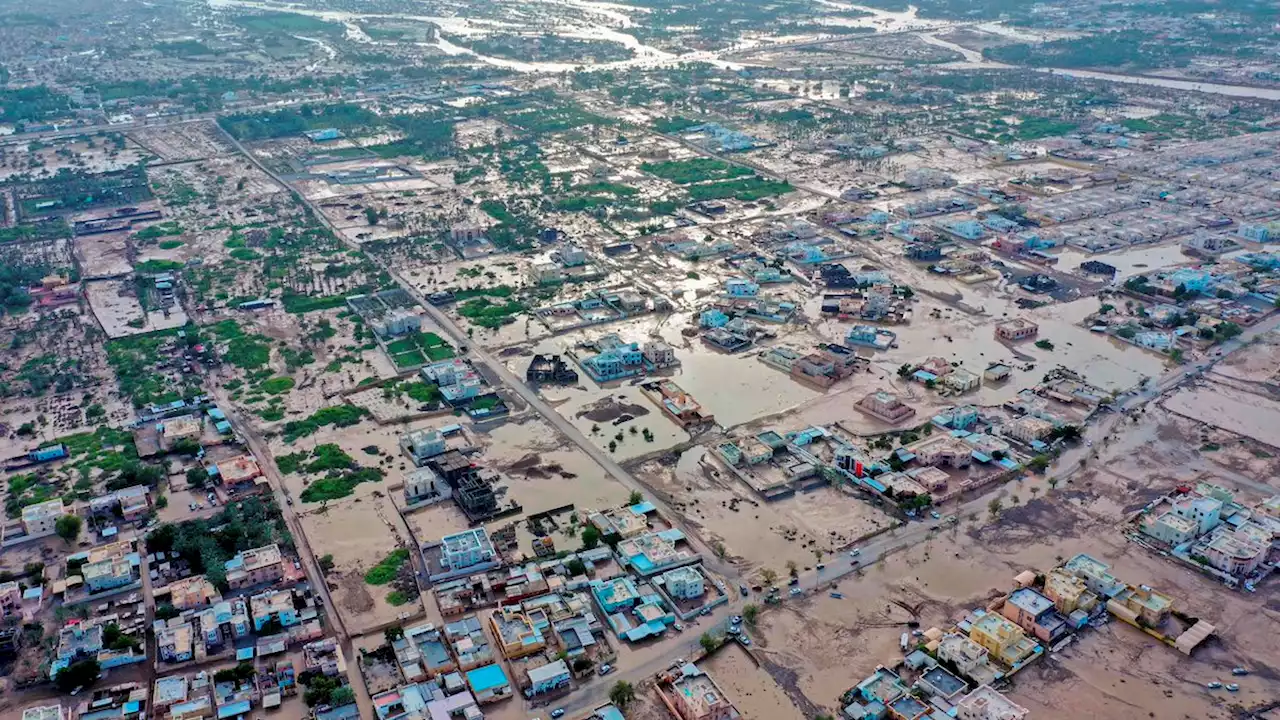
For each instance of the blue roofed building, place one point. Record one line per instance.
(549, 678)
(488, 683)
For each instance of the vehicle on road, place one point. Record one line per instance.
(794, 580)
(743, 589)
(795, 591)
(837, 595)
(935, 515)
(678, 627)
(736, 620)
(605, 669)
(1214, 685)
(822, 566)
(557, 713)
(1238, 671)
(746, 641)
(855, 552)
(1232, 687)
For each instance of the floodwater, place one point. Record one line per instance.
(1230, 409)
(1136, 260)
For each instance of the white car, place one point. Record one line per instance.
(855, 552)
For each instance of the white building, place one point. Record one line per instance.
(987, 704)
(685, 583)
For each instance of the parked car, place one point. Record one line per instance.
(1238, 671)
(1232, 687)
(557, 713)
(822, 566)
(743, 589)
(1214, 685)
(795, 591)
(605, 669)
(855, 552)
(736, 619)
(935, 515)
(744, 640)
(678, 627)
(837, 595)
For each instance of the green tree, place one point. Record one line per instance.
(622, 694)
(590, 537)
(709, 643)
(995, 506)
(80, 674)
(768, 577)
(636, 498)
(342, 696)
(750, 613)
(576, 567)
(68, 527)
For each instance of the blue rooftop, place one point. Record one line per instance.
(244, 707)
(643, 508)
(485, 678)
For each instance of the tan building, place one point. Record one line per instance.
(1028, 429)
(193, 592)
(1016, 329)
(254, 567)
(41, 519)
(697, 697)
(1068, 592)
(517, 636)
(1002, 639)
(885, 406)
(987, 704)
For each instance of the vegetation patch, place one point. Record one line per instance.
(385, 571)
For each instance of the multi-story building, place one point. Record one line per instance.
(1035, 614)
(1205, 512)
(684, 583)
(273, 605)
(10, 598)
(467, 549)
(1015, 329)
(968, 657)
(517, 634)
(1141, 605)
(1003, 640)
(1236, 552)
(107, 574)
(254, 567)
(422, 445)
(1169, 527)
(549, 678)
(191, 593)
(174, 640)
(470, 644)
(697, 697)
(41, 519)
(886, 407)
(1095, 575)
(1028, 429)
(987, 704)
(1068, 592)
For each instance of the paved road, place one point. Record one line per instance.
(510, 380)
(307, 558)
(1067, 465)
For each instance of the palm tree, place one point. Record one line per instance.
(622, 694)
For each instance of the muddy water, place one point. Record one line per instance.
(749, 687)
(1131, 261)
(1243, 413)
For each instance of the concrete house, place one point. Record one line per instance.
(1035, 614)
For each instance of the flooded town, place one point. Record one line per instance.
(639, 360)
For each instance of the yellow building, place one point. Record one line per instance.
(1068, 592)
(1002, 639)
(517, 635)
(1141, 605)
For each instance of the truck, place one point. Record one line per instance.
(902, 642)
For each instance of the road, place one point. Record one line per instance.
(510, 379)
(307, 557)
(1072, 461)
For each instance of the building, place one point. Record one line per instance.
(1028, 429)
(697, 697)
(255, 567)
(957, 418)
(1068, 592)
(1016, 329)
(517, 634)
(1205, 512)
(684, 583)
(961, 380)
(1003, 640)
(997, 372)
(551, 369)
(1237, 552)
(649, 552)
(741, 287)
(1035, 614)
(488, 683)
(1095, 575)
(109, 573)
(174, 640)
(41, 519)
(941, 683)
(659, 354)
(616, 360)
(885, 407)
(470, 644)
(549, 678)
(968, 657)
(237, 470)
(1141, 606)
(274, 605)
(44, 712)
(987, 704)
(466, 549)
(192, 593)
(424, 485)
(1168, 527)
(422, 445)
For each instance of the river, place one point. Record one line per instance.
(608, 22)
